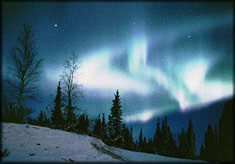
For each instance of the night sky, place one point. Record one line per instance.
(162, 57)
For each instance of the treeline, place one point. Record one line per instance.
(217, 145)
(115, 133)
(218, 142)
(57, 117)
(164, 143)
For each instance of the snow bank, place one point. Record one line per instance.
(34, 143)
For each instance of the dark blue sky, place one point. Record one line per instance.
(163, 57)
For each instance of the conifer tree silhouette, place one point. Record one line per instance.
(83, 124)
(103, 128)
(157, 141)
(97, 128)
(182, 147)
(226, 132)
(57, 116)
(40, 118)
(141, 140)
(190, 141)
(115, 121)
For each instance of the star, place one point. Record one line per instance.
(189, 36)
(55, 25)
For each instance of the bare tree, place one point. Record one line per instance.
(24, 70)
(70, 87)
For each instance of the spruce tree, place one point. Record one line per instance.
(123, 137)
(202, 152)
(158, 138)
(216, 144)
(141, 140)
(163, 140)
(83, 123)
(131, 139)
(210, 144)
(103, 128)
(97, 129)
(165, 137)
(226, 132)
(57, 117)
(190, 141)
(172, 148)
(87, 123)
(149, 147)
(144, 146)
(111, 135)
(182, 147)
(168, 147)
(115, 121)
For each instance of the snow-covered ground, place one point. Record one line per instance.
(34, 143)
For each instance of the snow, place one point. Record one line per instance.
(21, 140)
(27, 143)
(142, 157)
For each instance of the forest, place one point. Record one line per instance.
(22, 87)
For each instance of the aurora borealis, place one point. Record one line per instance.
(162, 57)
